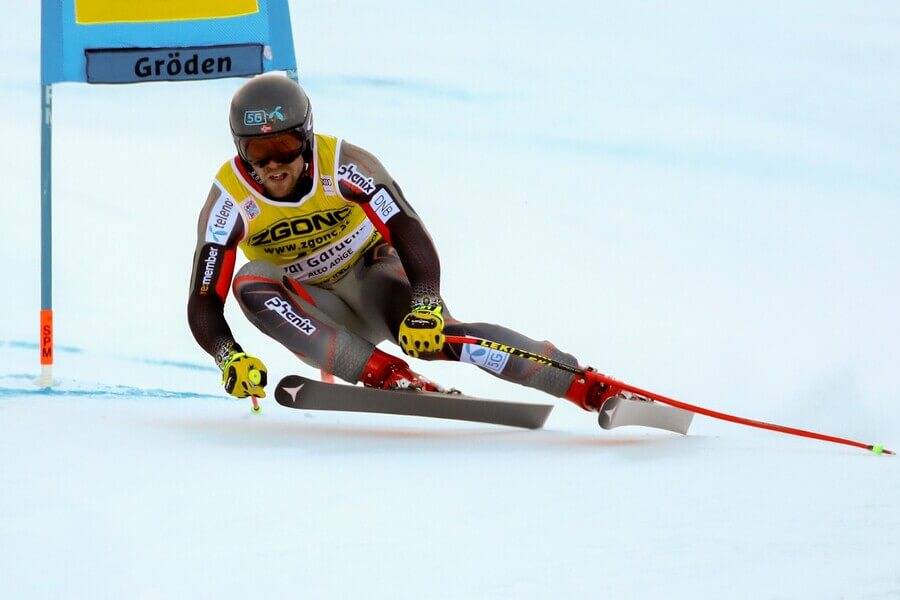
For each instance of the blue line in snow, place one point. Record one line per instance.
(112, 392)
(117, 391)
(34, 346)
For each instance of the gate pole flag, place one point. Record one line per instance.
(131, 41)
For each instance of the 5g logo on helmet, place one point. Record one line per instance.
(262, 117)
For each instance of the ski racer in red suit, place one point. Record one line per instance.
(338, 262)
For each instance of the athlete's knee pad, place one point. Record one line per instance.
(258, 269)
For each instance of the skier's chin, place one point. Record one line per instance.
(279, 186)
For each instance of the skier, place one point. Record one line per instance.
(338, 262)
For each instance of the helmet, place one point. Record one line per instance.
(268, 106)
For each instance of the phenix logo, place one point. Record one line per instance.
(350, 175)
(285, 309)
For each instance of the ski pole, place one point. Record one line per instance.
(255, 377)
(545, 360)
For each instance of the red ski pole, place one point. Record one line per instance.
(544, 360)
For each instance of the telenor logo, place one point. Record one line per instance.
(492, 360)
(222, 219)
(261, 117)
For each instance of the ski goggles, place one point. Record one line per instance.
(282, 149)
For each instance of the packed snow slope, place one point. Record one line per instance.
(699, 199)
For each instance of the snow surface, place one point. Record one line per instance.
(736, 247)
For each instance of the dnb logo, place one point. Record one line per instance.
(262, 117)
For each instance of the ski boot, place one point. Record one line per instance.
(590, 393)
(616, 407)
(387, 372)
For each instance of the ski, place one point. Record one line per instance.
(295, 391)
(629, 409)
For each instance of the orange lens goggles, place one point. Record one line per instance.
(282, 149)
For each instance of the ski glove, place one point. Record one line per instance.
(244, 375)
(422, 330)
